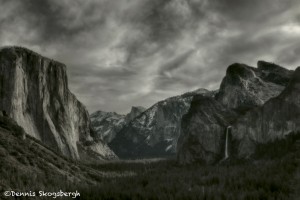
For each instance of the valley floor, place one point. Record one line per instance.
(26, 165)
(164, 179)
(268, 179)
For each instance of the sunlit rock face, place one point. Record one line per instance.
(242, 102)
(34, 92)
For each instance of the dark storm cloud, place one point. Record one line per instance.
(121, 53)
(164, 21)
(161, 23)
(56, 21)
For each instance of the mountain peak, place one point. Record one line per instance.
(259, 104)
(107, 124)
(241, 70)
(5, 48)
(12, 52)
(274, 73)
(139, 108)
(269, 66)
(245, 86)
(135, 111)
(200, 91)
(15, 49)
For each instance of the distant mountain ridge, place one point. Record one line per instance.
(155, 132)
(107, 124)
(194, 125)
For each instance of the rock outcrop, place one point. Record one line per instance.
(244, 87)
(155, 132)
(242, 93)
(275, 119)
(34, 92)
(134, 112)
(107, 124)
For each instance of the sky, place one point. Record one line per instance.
(123, 53)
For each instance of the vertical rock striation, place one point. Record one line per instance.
(244, 96)
(34, 92)
(203, 132)
(277, 118)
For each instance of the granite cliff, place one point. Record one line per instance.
(277, 118)
(203, 131)
(245, 96)
(34, 92)
(244, 87)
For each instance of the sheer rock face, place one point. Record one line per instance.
(242, 92)
(155, 132)
(134, 112)
(244, 87)
(34, 92)
(202, 129)
(275, 119)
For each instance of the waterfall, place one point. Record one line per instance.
(226, 142)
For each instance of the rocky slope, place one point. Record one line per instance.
(155, 132)
(275, 119)
(29, 165)
(24, 157)
(34, 92)
(107, 124)
(243, 89)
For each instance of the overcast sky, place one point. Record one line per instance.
(123, 53)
